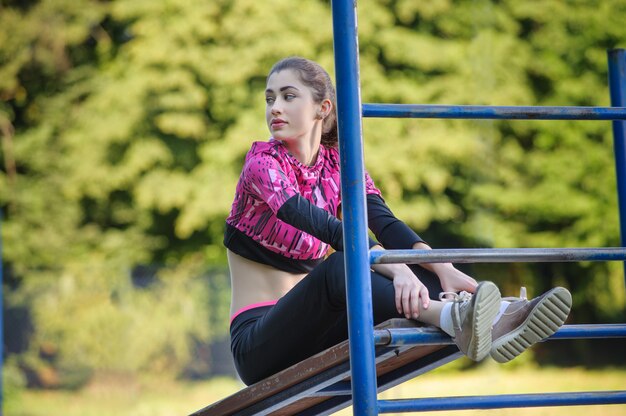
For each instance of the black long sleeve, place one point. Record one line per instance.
(302, 214)
(389, 230)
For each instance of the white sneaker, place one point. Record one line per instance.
(525, 322)
(472, 318)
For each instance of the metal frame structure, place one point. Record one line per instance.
(1, 321)
(350, 111)
(617, 88)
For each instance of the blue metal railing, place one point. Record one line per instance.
(502, 401)
(498, 255)
(360, 323)
(434, 336)
(1, 321)
(617, 88)
(493, 112)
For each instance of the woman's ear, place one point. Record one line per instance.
(325, 108)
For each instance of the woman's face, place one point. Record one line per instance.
(290, 112)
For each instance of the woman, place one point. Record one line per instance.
(288, 295)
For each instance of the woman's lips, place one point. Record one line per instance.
(278, 123)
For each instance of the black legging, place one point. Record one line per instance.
(310, 318)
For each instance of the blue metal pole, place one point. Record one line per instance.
(494, 112)
(433, 336)
(359, 288)
(590, 331)
(1, 322)
(503, 401)
(617, 86)
(497, 255)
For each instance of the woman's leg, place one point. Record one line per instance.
(308, 319)
(312, 317)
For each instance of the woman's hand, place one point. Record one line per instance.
(409, 290)
(454, 280)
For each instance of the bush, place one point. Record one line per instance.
(13, 382)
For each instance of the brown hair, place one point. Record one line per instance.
(315, 77)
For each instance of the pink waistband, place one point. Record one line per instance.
(252, 306)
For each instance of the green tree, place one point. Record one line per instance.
(124, 125)
(500, 183)
(128, 165)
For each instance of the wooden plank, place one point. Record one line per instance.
(278, 382)
(391, 379)
(288, 391)
(310, 386)
(391, 360)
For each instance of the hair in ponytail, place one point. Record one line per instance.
(315, 77)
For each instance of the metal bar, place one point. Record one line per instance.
(617, 87)
(386, 381)
(428, 335)
(399, 375)
(590, 331)
(422, 366)
(502, 401)
(433, 336)
(358, 284)
(617, 112)
(497, 255)
(1, 319)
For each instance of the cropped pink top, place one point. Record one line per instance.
(270, 177)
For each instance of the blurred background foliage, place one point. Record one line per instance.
(124, 125)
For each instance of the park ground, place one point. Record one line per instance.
(116, 394)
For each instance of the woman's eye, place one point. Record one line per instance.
(269, 100)
(289, 97)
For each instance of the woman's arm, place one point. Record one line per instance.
(389, 230)
(409, 290)
(395, 234)
(304, 215)
(451, 278)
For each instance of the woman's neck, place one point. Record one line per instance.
(307, 155)
(304, 149)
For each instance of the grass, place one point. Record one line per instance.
(120, 395)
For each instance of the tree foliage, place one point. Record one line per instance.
(124, 125)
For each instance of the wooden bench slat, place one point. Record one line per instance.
(309, 386)
(278, 382)
(384, 382)
(289, 391)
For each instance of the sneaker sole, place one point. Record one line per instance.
(543, 321)
(486, 307)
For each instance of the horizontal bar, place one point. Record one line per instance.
(428, 335)
(493, 112)
(402, 374)
(590, 331)
(433, 336)
(497, 255)
(502, 401)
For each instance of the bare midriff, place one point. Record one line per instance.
(254, 283)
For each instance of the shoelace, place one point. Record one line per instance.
(461, 300)
(522, 296)
(456, 297)
(512, 300)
